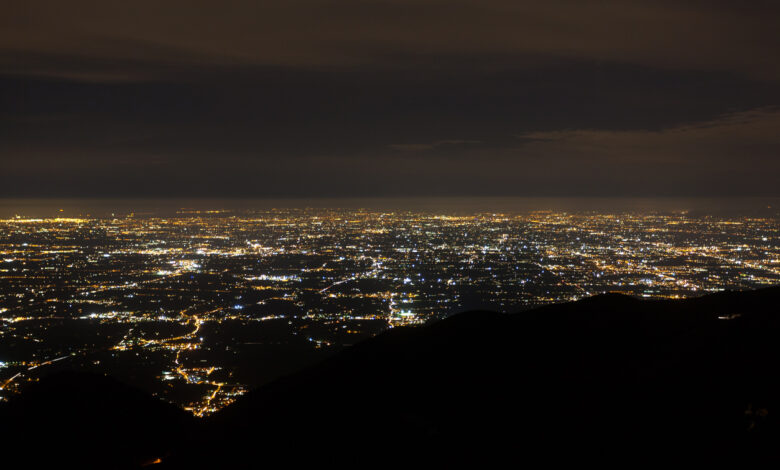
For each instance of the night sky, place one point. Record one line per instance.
(314, 98)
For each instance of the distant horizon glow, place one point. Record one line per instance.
(68, 208)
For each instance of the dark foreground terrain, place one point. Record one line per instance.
(609, 379)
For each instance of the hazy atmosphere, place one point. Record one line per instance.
(315, 98)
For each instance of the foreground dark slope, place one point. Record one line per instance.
(609, 378)
(82, 420)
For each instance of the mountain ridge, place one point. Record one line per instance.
(608, 378)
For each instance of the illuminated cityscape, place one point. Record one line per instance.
(200, 307)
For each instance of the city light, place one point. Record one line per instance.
(190, 307)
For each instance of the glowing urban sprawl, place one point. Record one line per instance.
(200, 307)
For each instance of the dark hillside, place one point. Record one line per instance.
(90, 421)
(609, 379)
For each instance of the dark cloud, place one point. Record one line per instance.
(326, 98)
(433, 145)
(737, 36)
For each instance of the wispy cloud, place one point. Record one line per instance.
(432, 145)
(731, 139)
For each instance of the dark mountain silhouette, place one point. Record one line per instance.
(83, 420)
(609, 379)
